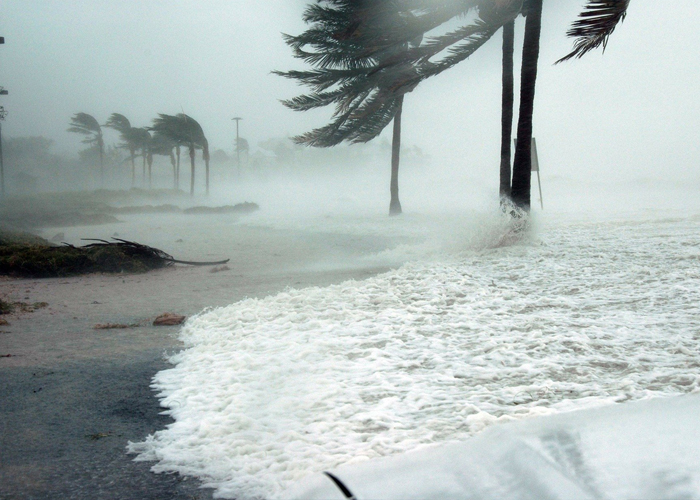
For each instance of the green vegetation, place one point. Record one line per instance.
(6, 307)
(42, 261)
(25, 255)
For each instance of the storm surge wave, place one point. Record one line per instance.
(586, 314)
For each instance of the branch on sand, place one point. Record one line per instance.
(101, 256)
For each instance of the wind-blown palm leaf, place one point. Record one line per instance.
(118, 122)
(129, 135)
(142, 138)
(367, 54)
(595, 25)
(85, 124)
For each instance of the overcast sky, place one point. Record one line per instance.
(634, 110)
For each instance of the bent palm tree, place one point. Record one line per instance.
(343, 35)
(87, 125)
(130, 137)
(184, 130)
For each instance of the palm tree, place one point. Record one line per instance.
(184, 130)
(592, 29)
(341, 34)
(522, 164)
(128, 135)
(85, 124)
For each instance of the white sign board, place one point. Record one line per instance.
(534, 160)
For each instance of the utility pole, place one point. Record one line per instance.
(3, 114)
(238, 145)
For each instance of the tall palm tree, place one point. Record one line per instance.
(592, 30)
(344, 38)
(129, 136)
(87, 125)
(522, 164)
(184, 130)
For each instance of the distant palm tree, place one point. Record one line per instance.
(130, 137)
(85, 124)
(184, 130)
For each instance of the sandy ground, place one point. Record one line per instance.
(71, 396)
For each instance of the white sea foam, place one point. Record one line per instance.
(585, 314)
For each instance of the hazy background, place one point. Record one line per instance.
(634, 111)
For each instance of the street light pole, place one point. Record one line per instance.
(238, 145)
(3, 113)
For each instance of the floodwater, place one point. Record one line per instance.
(597, 305)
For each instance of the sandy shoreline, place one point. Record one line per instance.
(74, 395)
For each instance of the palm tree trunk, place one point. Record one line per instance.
(150, 166)
(143, 173)
(133, 166)
(172, 162)
(101, 145)
(395, 204)
(2, 167)
(177, 169)
(205, 155)
(507, 108)
(192, 169)
(522, 167)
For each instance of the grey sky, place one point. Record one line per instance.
(634, 110)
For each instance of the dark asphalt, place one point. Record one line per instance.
(64, 429)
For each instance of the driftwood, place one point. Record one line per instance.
(133, 248)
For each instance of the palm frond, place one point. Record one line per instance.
(595, 25)
(118, 122)
(83, 123)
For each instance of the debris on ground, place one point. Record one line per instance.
(6, 307)
(169, 319)
(45, 260)
(23, 307)
(113, 326)
(98, 435)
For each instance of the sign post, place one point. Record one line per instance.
(535, 162)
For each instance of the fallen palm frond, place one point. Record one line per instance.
(133, 248)
(100, 256)
(114, 326)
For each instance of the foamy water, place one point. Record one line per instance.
(584, 313)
